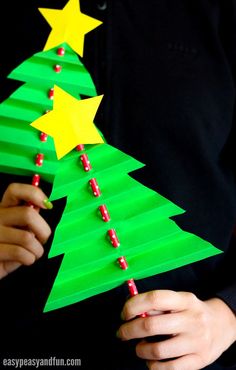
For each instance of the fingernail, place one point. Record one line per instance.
(122, 316)
(47, 204)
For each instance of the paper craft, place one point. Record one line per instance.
(150, 242)
(69, 25)
(113, 228)
(70, 122)
(19, 142)
(41, 71)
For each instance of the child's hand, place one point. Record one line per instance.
(22, 230)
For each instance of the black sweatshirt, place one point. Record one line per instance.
(167, 69)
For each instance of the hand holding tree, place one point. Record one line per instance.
(199, 331)
(22, 230)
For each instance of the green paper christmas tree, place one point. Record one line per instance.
(19, 142)
(150, 242)
(113, 228)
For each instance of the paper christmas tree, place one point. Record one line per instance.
(20, 143)
(113, 228)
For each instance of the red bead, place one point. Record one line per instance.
(61, 52)
(132, 287)
(43, 137)
(134, 291)
(95, 187)
(57, 68)
(51, 93)
(104, 212)
(123, 263)
(145, 314)
(39, 159)
(31, 205)
(80, 147)
(113, 238)
(86, 163)
(36, 180)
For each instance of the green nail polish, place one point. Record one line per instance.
(47, 204)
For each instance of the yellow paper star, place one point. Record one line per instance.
(68, 25)
(70, 122)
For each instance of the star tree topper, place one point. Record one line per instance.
(68, 25)
(70, 122)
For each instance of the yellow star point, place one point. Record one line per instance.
(70, 122)
(68, 25)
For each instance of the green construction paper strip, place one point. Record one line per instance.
(118, 190)
(136, 210)
(36, 94)
(70, 56)
(12, 163)
(20, 133)
(39, 70)
(132, 235)
(20, 143)
(28, 103)
(105, 160)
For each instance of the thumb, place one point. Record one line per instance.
(18, 193)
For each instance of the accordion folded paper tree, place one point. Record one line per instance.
(19, 142)
(113, 228)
